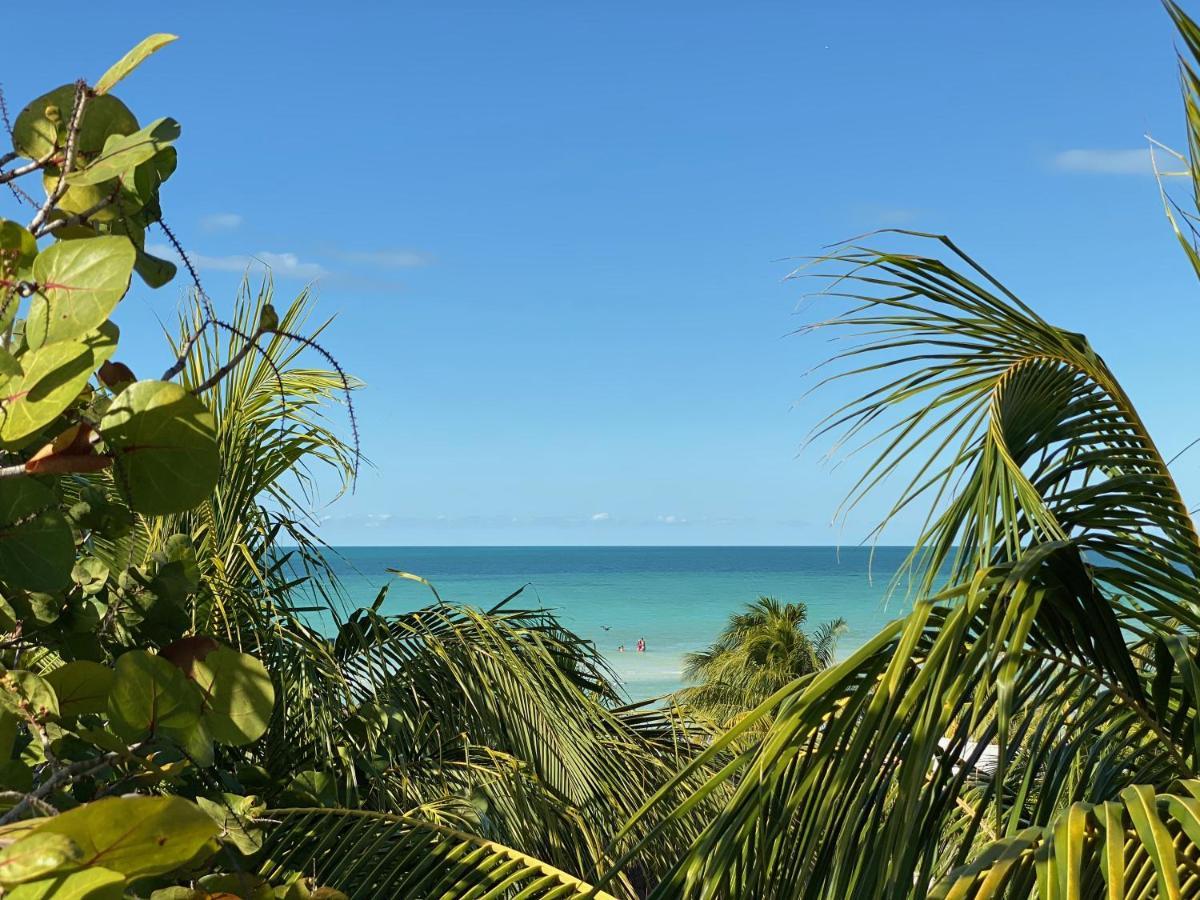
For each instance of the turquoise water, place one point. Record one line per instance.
(676, 598)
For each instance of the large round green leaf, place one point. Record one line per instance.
(79, 283)
(82, 687)
(53, 377)
(92, 883)
(149, 694)
(136, 836)
(37, 856)
(238, 697)
(35, 135)
(165, 444)
(37, 549)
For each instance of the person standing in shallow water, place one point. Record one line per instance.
(641, 645)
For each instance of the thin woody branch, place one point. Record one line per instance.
(19, 171)
(77, 218)
(215, 378)
(81, 96)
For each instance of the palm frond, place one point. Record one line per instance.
(375, 854)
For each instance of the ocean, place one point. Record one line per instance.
(675, 598)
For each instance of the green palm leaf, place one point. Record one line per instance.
(374, 854)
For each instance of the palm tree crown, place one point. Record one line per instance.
(763, 648)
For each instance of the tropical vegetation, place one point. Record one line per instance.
(189, 707)
(762, 649)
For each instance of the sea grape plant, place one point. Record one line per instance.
(112, 711)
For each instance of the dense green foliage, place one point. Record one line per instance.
(762, 649)
(162, 668)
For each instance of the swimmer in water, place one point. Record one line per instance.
(621, 649)
(641, 645)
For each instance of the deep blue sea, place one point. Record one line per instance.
(675, 598)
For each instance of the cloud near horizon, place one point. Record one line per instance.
(1105, 162)
(282, 265)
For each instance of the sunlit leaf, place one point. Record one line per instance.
(131, 60)
(79, 283)
(136, 836)
(164, 439)
(36, 136)
(238, 695)
(82, 687)
(147, 694)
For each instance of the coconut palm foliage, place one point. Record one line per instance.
(763, 648)
(497, 724)
(1055, 619)
(371, 854)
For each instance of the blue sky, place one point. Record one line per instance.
(552, 233)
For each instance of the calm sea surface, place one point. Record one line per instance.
(676, 598)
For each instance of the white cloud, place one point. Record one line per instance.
(221, 221)
(387, 259)
(283, 265)
(376, 520)
(672, 520)
(1105, 162)
(600, 517)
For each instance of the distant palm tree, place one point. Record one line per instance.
(762, 649)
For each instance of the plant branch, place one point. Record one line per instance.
(81, 95)
(77, 218)
(243, 351)
(19, 171)
(80, 769)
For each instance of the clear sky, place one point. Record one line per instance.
(552, 232)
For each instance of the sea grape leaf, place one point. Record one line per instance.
(195, 740)
(77, 200)
(82, 687)
(155, 272)
(124, 152)
(27, 695)
(234, 813)
(36, 136)
(103, 342)
(36, 856)
(149, 176)
(148, 693)
(93, 883)
(37, 548)
(8, 364)
(238, 695)
(53, 377)
(17, 251)
(136, 836)
(91, 574)
(131, 60)
(79, 283)
(165, 442)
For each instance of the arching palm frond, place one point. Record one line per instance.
(276, 431)
(1141, 845)
(1050, 658)
(374, 854)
